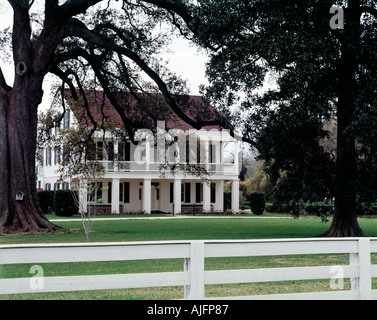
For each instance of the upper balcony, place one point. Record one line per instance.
(216, 157)
(137, 167)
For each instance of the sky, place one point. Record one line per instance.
(185, 60)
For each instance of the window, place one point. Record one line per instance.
(100, 150)
(121, 192)
(199, 193)
(212, 153)
(126, 192)
(48, 186)
(124, 151)
(48, 157)
(57, 156)
(109, 191)
(99, 190)
(213, 192)
(171, 192)
(127, 151)
(67, 119)
(111, 151)
(188, 192)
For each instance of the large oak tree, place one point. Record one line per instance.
(110, 43)
(321, 74)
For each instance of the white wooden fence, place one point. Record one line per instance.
(193, 276)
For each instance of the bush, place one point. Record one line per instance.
(257, 202)
(319, 209)
(46, 201)
(64, 203)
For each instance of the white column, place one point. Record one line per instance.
(219, 205)
(236, 157)
(206, 196)
(177, 195)
(116, 159)
(147, 195)
(236, 195)
(115, 195)
(147, 155)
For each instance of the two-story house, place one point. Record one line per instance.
(139, 179)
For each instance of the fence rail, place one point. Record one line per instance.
(194, 277)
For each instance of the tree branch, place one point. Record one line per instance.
(51, 11)
(66, 80)
(178, 7)
(78, 29)
(75, 7)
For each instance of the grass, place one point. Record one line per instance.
(182, 229)
(178, 229)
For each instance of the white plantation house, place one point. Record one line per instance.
(136, 177)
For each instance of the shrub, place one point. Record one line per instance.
(64, 203)
(46, 201)
(257, 202)
(269, 207)
(319, 208)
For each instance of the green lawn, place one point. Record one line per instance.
(182, 229)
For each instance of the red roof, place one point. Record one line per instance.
(143, 111)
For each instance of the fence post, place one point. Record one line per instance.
(363, 283)
(195, 265)
(365, 280)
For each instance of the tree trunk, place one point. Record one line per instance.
(18, 138)
(345, 222)
(18, 122)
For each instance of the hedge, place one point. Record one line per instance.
(257, 202)
(46, 201)
(64, 203)
(319, 208)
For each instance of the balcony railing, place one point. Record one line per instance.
(154, 167)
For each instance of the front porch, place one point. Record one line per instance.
(170, 196)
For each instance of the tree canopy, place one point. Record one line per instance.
(323, 75)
